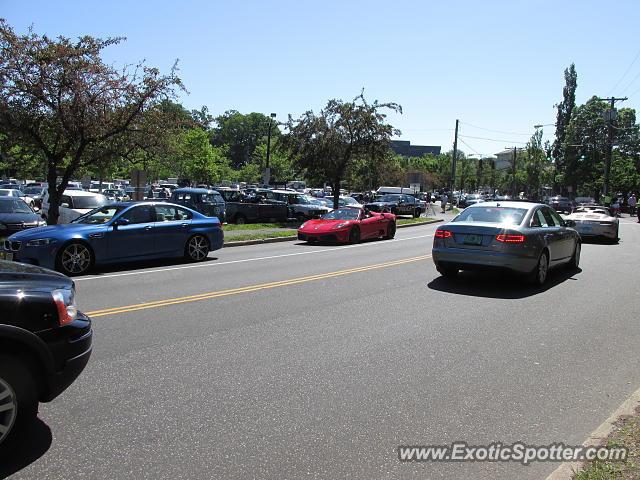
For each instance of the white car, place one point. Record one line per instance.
(594, 221)
(74, 203)
(12, 192)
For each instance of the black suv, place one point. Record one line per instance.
(45, 342)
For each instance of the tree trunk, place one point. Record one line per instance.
(336, 192)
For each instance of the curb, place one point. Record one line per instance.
(291, 238)
(598, 437)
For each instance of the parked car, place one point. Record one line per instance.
(208, 202)
(16, 215)
(300, 206)
(119, 232)
(595, 221)
(17, 193)
(348, 225)
(398, 204)
(45, 343)
(561, 204)
(74, 203)
(36, 193)
(579, 201)
(525, 238)
(470, 199)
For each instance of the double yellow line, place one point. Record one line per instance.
(252, 288)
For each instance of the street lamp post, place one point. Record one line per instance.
(266, 178)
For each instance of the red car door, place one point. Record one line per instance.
(370, 225)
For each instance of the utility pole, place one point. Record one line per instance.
(454, 159)
(513, 168)
(609, 116)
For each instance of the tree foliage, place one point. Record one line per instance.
(329, 143)
(59, 99)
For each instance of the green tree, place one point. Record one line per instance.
(197, 159)
(327, 144)
(565, 112)
(58, 98)
(242, 134)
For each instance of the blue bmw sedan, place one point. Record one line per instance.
(119, 232)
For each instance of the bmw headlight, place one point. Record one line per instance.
(340, 225)
(42, 223)
(40, 242)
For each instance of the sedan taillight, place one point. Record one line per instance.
(443, 234)
(510, 238)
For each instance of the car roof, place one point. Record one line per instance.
(508, 203)
(79, 193)
(195, 190)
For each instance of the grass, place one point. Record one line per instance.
(405, 221)
(259, 226)
(626, 434)
(259, 236)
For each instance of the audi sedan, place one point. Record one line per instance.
(521, 237)
(120, 232)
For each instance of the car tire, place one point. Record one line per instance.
(538, 275)
(74, 258)
(240, 220)
(197, 248)
(416, 213)
(391, 230)
(447, 271)
(574, 263)
(18, 398)
(354, 235)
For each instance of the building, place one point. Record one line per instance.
(404, 148)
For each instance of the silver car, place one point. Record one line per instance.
(523, 237)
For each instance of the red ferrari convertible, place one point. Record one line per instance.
(348, 225)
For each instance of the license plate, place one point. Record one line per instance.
(473, 239)
(6, 255)
(586, 229)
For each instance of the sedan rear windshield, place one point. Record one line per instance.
(502, 215)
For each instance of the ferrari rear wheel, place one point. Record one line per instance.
(354, 235)
(391, 230)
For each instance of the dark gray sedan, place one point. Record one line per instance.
(525, 238)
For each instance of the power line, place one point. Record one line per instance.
(625, 73)
(495, 131)
(470, 147)
(492, 139)
(631, 83)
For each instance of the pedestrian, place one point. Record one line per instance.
(443, 202)
(632, 201)
(615, 207)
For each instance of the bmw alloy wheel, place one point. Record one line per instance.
(75, 258)
(198, 248)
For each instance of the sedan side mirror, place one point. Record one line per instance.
(121, 221)
(65, 205)
(570, 223)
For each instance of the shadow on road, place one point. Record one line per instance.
(142, 264)
(32, 444)
(498, 285)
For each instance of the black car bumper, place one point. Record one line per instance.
(70, 347)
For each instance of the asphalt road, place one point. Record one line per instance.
(287, 360)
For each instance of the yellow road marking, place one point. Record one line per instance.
(252, 288)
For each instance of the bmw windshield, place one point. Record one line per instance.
(98, 216)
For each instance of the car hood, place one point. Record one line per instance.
(321, 225)
(56, 231)
(20, 275)
(19, 217)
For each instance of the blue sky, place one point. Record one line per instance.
(496, 66)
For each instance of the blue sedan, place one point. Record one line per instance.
(120, 232)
